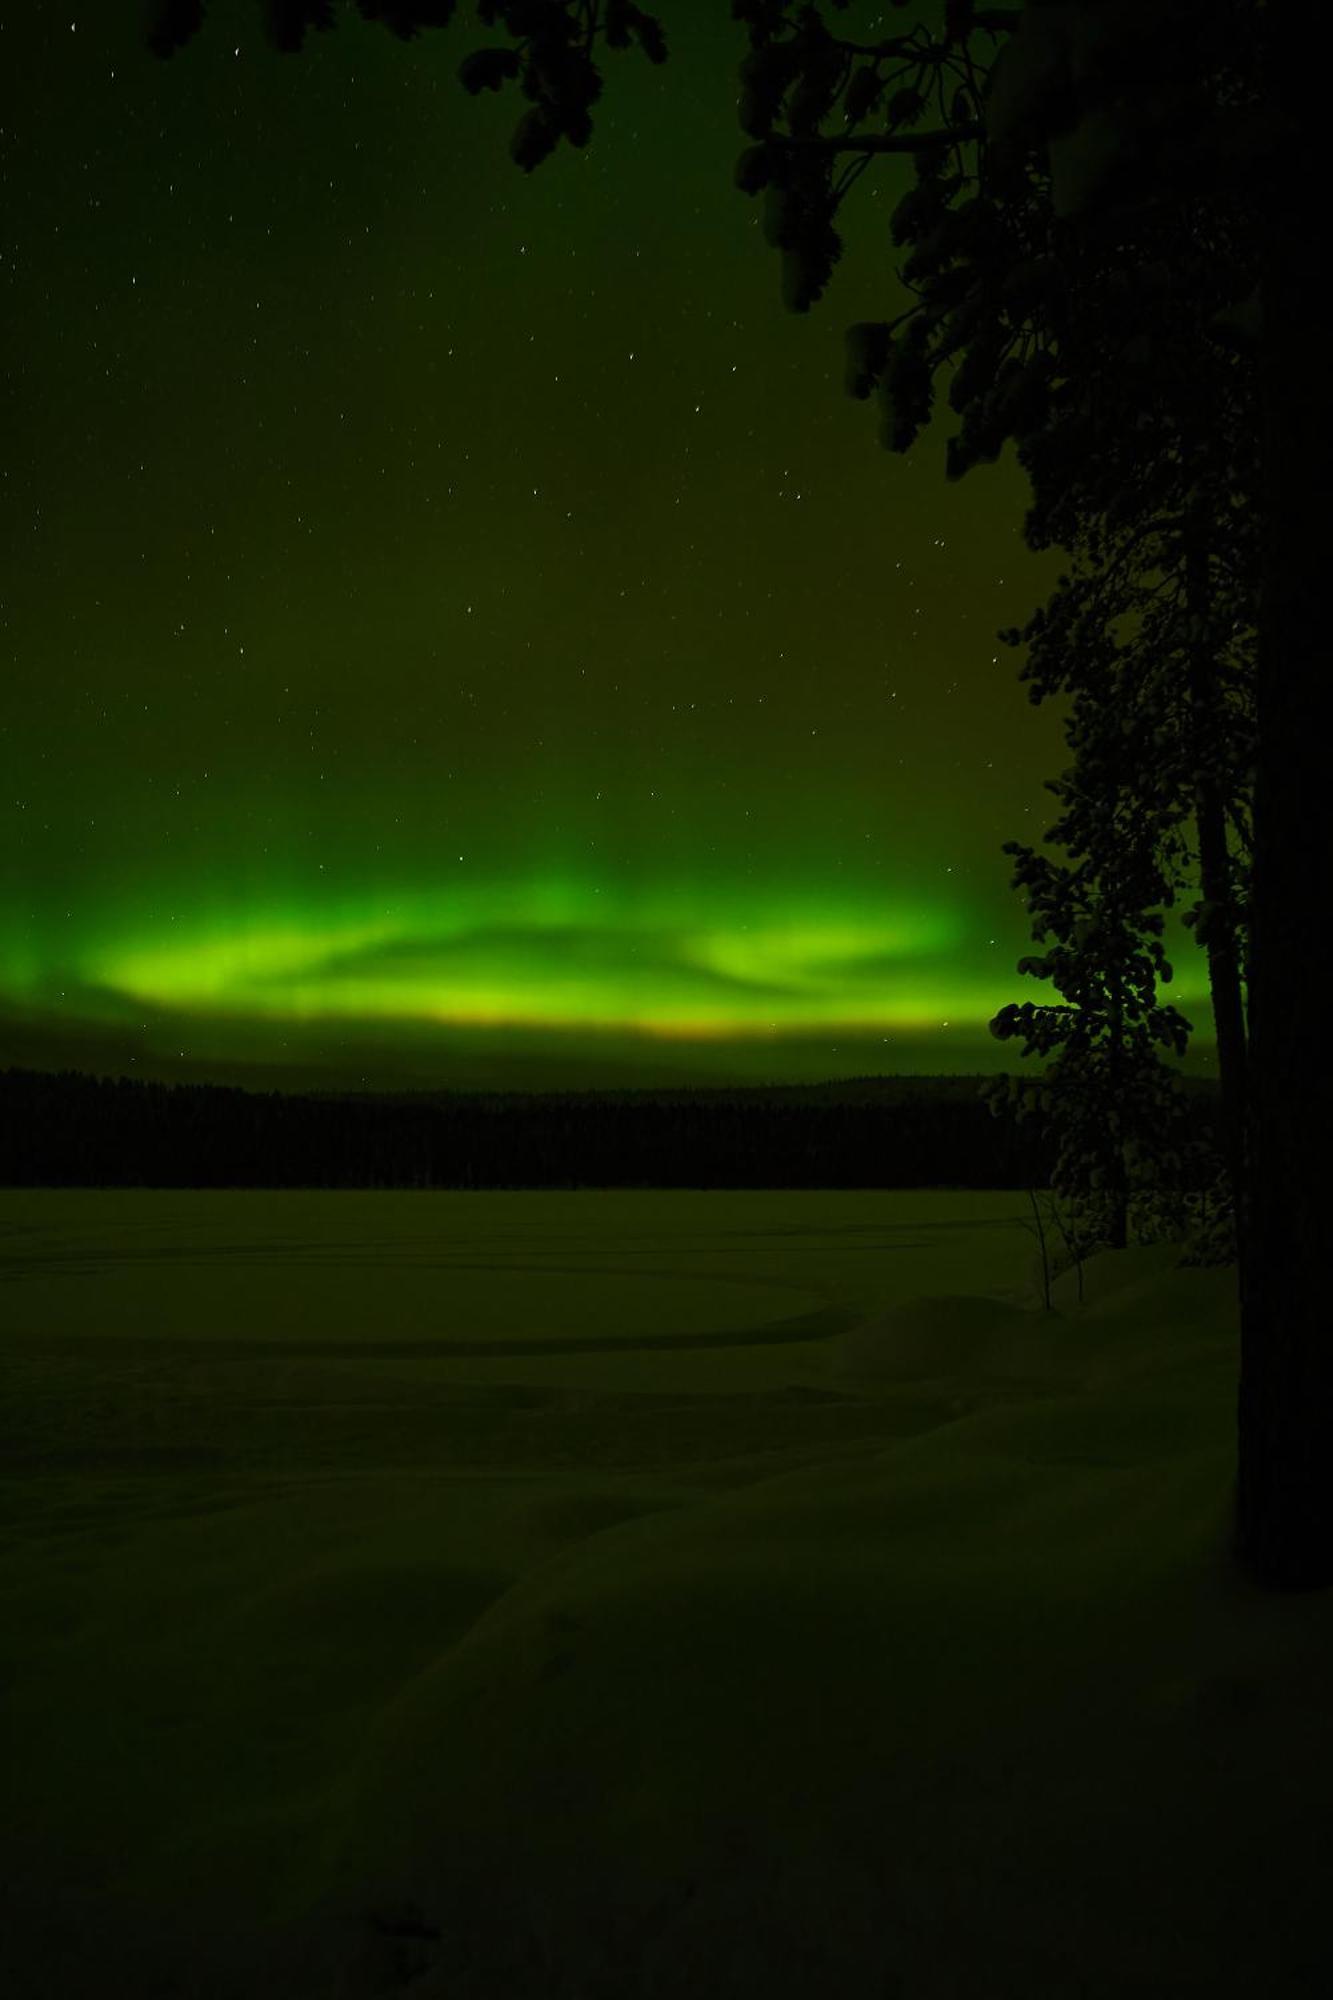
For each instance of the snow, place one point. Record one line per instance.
(900, 1660)
(1058, 81)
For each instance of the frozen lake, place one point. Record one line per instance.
(191, 1334)
(489, 1594)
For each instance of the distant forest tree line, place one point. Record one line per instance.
(73, 1130)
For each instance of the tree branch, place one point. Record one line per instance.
(885, 142)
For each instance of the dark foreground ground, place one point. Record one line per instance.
(635, 1595)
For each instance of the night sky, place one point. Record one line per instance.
(456, 628)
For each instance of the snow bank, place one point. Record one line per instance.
(982, 1714)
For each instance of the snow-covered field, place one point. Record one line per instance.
(631, 1596)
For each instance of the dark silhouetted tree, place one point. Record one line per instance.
(1112, 1105)
(1120, 102)
(1162, 671)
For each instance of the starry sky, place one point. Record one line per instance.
(457, 630)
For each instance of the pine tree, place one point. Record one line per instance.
(1113, 1106)
(1163, 714)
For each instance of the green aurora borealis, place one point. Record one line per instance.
(458, 631)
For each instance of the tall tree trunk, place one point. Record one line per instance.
(1118, 1183)
(1118, 1230)
(1284, 1487)
(1219, 929)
